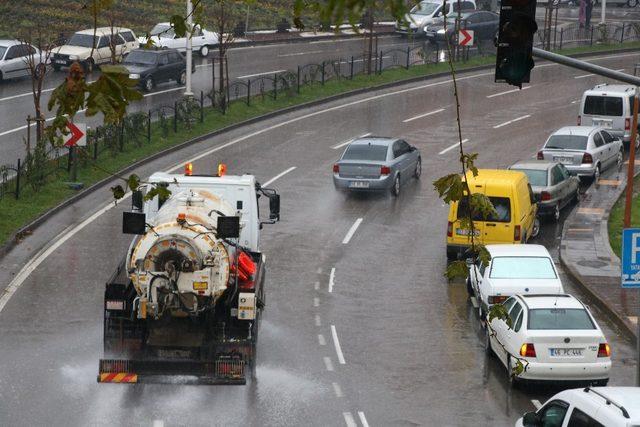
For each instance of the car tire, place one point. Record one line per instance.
(204, 51)
(513, 380)
(148, 84)
(39, 71)
(576, 196)
(481, 314)
(469, 287)
(1, 78)
(88, 66)
(487, 343)
(395, 190)
(182, 78)
(596, 174)
(418, 170)
(619, 159)
(535, 230)
(556, 213)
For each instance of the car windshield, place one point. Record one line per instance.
(3, 49)
(141, 57)
(424, 8)
(603, 105)
(366, 152)
(522, 268)
(537, 178)
(502, 206)
(567, 142)
(560, 319)
(82, 40)
(163, 31)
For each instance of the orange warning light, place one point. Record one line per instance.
(222, 169)
(188, 169)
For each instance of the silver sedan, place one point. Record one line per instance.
(376, 163)
(552, 184)
(15, 57)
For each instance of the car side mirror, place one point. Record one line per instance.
(531, 419)
(274, 207)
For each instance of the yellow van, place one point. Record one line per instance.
(516, 208)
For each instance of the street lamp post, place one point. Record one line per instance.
(187, 91)
(603, 11)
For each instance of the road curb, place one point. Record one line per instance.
(27, 229)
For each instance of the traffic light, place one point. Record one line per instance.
(515, 41)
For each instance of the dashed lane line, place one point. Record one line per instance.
(507, 92)
(332, 276)
(349, 141)
(451, 147)
(316, 302)
(321, 340)
(363, 419)
(351, 231)
(328, 364)
(316, 286)
(318, 320)
(582, 76)
(336, 343)
(311, 52)
(280, 175)
(337, 389)
(517, 119)
(348, 419)
(410, 119)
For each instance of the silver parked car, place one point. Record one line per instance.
(552, 184)
(585, 151)
(14, 57)
(376, 163)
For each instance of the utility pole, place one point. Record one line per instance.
(187, 91)
(631, 168)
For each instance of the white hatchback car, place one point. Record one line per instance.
(513, 269)
(555, 336)
(594, 407)
(164, 37)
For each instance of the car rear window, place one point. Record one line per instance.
(502, 206)
(141, 57)
(560, 319)
(567, 142)
(537, 178)
(603, 105)
(522, 268)
(366, 152)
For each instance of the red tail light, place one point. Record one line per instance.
(579, 120)
(449, 229)
(544, 196)
(604, 350)
(627, 123)
(527, 350)
(517, 235)
(587, 158)
(540, 155)
(385, 170)
(497, 299)
(336, 168)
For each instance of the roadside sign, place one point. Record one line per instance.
(631, 258)
(465, 38)
(77, 136)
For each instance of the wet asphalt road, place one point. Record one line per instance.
(410, 342)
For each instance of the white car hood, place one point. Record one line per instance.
(82, 52)
(525, 286)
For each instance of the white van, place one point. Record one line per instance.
(609, 106)
(429, 12)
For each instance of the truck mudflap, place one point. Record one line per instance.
(225, 369)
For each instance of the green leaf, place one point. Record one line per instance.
(118, 192)
(483, 254)
(133, 182)
(111, 94)
(518, 369)
(481, 206)
(179, 25)
(456, 269)
(450, 187)
(498, 311)
(159, 190)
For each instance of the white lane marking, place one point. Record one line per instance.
(316, 302)
(508, 91)
(349, 141)
(575, 101)
(328, 364)
(48, 250)
(582, 76)
(337, 389)
(280, 175)
(351, 231)
(526, 116)
(261, 74)
(158, 423)
(316, 286)
(311, 52)
(336, 343)
(410, 119)
(348, 418)
(319, 270)
(318, 321)
(321, 340)
(25, 94)
(363, 419)
(160, 92)
(536, 403)
(7, 132)
(451, 147)
(332, 276)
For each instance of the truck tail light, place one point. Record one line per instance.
(627, 123)
(545, 195)
(587, 158)
(497, 299)
(604, 350)
(540, 155)
(449, 229)
(336, 168)
(517, 235)
(527, 350)
(385, 170)
(579, 120)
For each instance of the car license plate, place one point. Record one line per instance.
(566, 352)
(563, 159)
(465, 232)
(605, 124)
(359, 184)
(60, 61)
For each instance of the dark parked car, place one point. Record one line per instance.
(483, 23)
(151, 67)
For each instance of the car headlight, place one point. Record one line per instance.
(134, 76)
(441, 31)
(73, 57)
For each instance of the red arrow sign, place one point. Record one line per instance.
(77, 136)
(465, 37)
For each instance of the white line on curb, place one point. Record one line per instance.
(349, 141)
(422, 115)
(351, 231)
(336, 343)
(280, 175)
(451, 147)
(508, 91)
(363, 419)
(261, 74)
(526, 116)
(332, 276)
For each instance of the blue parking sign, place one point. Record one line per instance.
(631, 258)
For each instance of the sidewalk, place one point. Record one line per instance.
(587, 255)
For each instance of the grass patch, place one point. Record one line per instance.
(15, 214)
(616, 217)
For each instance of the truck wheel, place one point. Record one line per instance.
(395, 190)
